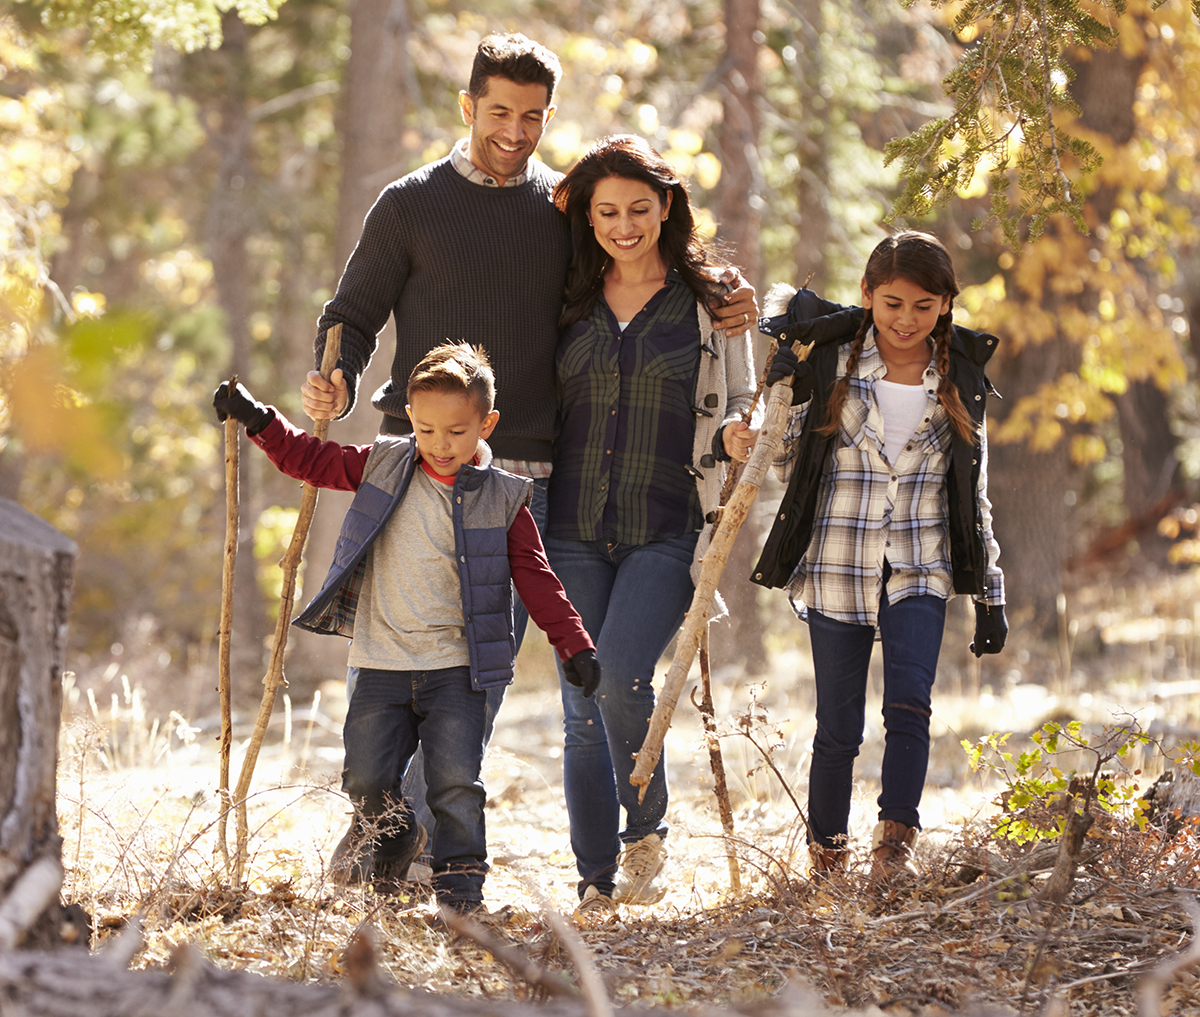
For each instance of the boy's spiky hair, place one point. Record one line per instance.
(456, 367)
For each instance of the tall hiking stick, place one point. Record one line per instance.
(779, 405)
(274, 676)
(224, 632)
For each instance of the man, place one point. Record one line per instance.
(471, 248)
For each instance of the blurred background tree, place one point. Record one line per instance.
(183, 183)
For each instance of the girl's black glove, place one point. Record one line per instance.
(786, 362)
(583, 671)
(991, 629)
(242, 406)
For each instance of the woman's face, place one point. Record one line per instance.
(627, 216)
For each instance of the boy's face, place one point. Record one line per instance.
(448, 426)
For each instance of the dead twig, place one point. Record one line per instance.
(585, 966)
(274, 677)
(1150, 992)
(513, 958)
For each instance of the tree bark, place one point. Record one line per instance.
(36, 566)
(812, 182)
(228, 227)
(379, 90)
(739, 217)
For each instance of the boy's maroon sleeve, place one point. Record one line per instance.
(541, 592)
(319, 463)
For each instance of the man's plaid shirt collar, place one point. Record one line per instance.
(460, 160)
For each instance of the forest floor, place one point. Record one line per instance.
(138, 815)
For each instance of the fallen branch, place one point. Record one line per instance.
(30, 895)
(779, 405)
(225, 630)
(594, 993)
(274, 677)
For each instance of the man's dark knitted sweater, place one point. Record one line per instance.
(452, 259)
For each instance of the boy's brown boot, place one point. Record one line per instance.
(892, 847)
(825, 862)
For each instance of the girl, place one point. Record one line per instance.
(651, 397)
(886, 516)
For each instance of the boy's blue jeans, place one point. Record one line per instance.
(414, 780)
(632, 599)
(911, 634)
(390, 714)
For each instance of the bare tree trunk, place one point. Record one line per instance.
(36, 566)
(812, 183)
(1027, 489)
(379, 89)
(739, 217)
(228, 227)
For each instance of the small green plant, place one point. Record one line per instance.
(1041, 790)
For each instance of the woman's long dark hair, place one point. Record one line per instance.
(631, 158)
(922, 260)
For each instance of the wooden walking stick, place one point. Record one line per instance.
(225, 630)
(274, 677)
(779, 405)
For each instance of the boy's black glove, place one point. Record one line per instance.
(786, 362)
(242, 406)
(583, 671)
(991, 629)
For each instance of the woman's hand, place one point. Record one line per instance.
(739, 439)
(324, 400)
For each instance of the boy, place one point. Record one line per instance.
(422, 580)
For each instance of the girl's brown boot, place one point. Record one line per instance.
(892, 846)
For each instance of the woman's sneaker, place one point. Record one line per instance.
(595, 905)
(641, 865)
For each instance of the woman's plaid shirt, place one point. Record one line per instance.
(869, 509)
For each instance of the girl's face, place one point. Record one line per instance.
(627, 216)
(904, 313)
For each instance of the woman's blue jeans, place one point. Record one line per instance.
(390, 714)
(632, 599)
(911, 633)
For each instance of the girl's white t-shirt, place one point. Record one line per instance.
(902, 407)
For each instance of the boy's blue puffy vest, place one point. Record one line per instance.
(485, 502)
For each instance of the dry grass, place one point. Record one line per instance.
(138, 814)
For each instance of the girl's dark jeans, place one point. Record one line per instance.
(911, 633)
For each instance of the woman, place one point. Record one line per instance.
(651, 399)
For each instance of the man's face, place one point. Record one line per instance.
(506, 123)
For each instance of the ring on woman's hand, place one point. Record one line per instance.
(745, 318)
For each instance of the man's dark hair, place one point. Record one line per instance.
(516, 58)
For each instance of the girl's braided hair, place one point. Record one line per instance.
(924, 261)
